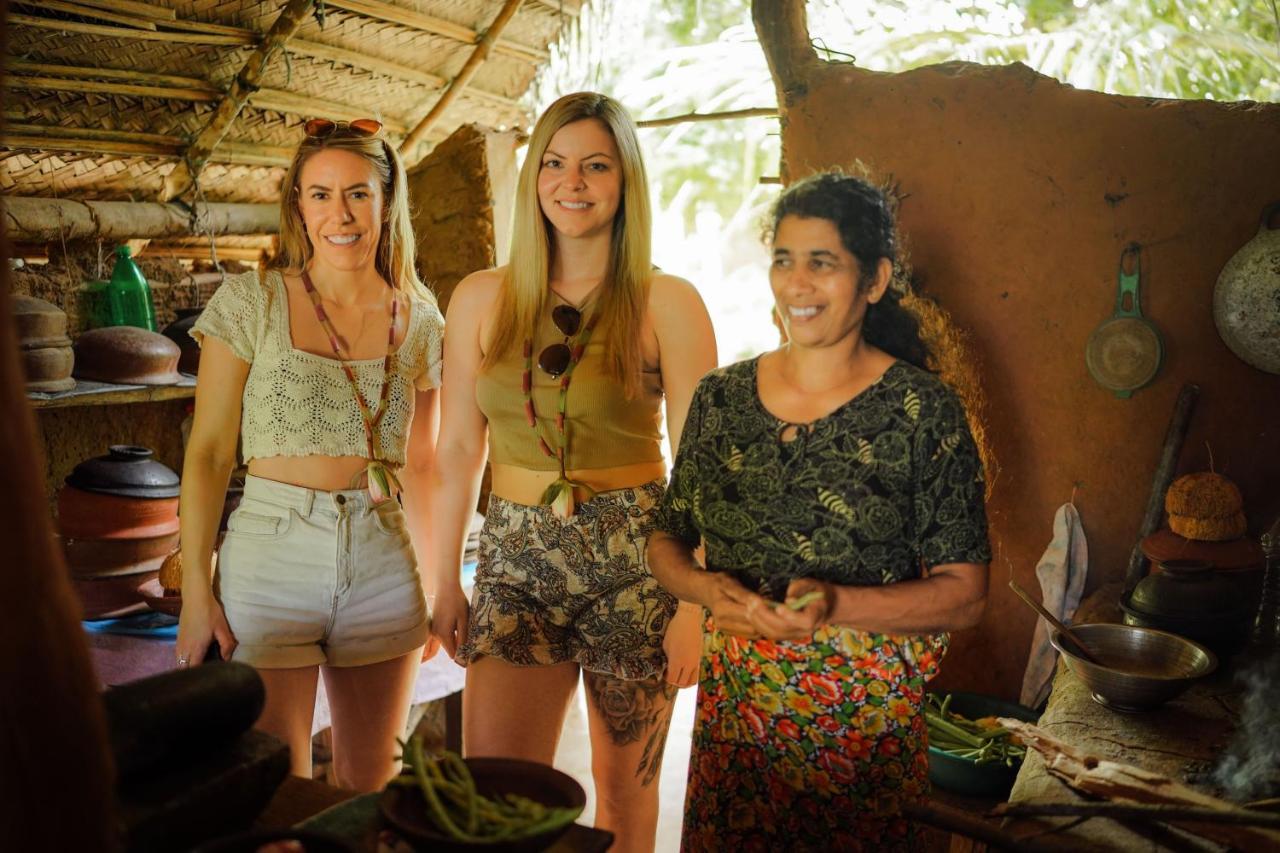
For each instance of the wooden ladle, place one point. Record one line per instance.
(1053, 620)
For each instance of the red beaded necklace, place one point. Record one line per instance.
(381, 479)
(559, 495)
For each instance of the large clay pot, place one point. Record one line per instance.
(1188, 598)
(1246, 300)
(127, 355)
(92, 515)
(47, 357)
(126, 470)
(112, 557)
(110, 597)
(179, 331)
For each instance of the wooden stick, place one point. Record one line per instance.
(1054, 622)
(88, 12)
(145, 10)
(562, 7)
(226, 253)
(115, 147)
(288, 102)
(55, 84)
(474, 61)
(245, 84)
(41, 220)
(77, 133)
(1129, 811)
(963, 823)
(130, 33)
(1174, 436)
(95, 141)
(752, 112)
(143, 77)
(437, 26)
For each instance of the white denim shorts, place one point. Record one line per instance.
(311, 577)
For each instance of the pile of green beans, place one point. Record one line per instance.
(964, 738)
(462, 813)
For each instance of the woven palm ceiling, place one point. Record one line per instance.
(104, 98)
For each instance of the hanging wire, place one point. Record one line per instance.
(845, 58)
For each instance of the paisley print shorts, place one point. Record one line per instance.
(550, 590)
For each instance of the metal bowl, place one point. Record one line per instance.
(1143, 668)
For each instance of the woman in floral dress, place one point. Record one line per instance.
(837, 475)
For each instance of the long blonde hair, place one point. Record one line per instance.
(396, 257)
(625, 289)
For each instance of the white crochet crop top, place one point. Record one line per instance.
(300, 404)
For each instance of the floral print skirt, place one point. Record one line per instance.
(809, 746)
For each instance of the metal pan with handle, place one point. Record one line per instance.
(1125, 352)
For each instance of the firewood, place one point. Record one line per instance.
(1135, 811)
(1114, 780)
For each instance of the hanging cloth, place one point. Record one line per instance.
(1061, 572)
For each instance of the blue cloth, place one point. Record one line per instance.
(150, 624)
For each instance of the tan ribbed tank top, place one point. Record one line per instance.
(604, 429)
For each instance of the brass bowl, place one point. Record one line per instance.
(1143, 668)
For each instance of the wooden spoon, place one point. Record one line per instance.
(1052, 620)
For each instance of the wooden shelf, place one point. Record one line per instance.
(107, 395)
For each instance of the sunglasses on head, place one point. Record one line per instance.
(555, 359)
(320, 128)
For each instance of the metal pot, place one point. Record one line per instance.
(126, 470)
(1190, 599)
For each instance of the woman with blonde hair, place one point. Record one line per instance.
(325, 366)
(562, 359)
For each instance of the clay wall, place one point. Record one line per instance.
(1020, 194)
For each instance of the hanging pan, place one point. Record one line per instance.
(1124, 353)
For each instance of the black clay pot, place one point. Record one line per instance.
(126, 470)
(1189, 598)
(179, 331)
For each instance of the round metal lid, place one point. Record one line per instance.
(1124, 354)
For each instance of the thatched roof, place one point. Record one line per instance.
(104, 98)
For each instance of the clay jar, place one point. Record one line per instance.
(127, 355)
(47, 357)
(1188, 598)
(179, 331)
(127, 470)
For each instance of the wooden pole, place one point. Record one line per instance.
(54, 84)
(130, 33)
(1139, 811)
(381, 11)
(752, 112)
(40, 220)
(474, 61)
(245, 84)
(88, 11)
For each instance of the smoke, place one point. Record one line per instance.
(1250, 769)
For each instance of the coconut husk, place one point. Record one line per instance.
(1203, 495)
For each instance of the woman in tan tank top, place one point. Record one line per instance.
(554, 366)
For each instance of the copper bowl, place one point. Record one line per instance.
(1141, 669)
(127, 355)
(93, 515)
(155, 597)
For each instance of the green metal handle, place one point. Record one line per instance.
(1129, 284)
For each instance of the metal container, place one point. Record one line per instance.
(1143, 668)
(1246, 299)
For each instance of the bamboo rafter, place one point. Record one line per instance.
(474, 61)
(23, 66)
(212, 39)
(133, 7)
(83, 11)
(565, 7)
(245, 84)
(131, 143)
(438, 26)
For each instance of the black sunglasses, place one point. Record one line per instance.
(319, 128)
(556, 358)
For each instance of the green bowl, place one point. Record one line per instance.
(963, 775)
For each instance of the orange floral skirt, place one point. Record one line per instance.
(809, 746)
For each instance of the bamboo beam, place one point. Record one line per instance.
(129, 33)
(88, 140)
(751, 112)
(474, 61)
(40, 220)
(54, 84)
(226, 253)
(85, 145)
(145, 10)
(60, 132)
(245, 84)
(144, 77)
(562, 7)
(437, 26)
(88, 12)
(287, 102)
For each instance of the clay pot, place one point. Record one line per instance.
(39, 323)
(92, 515)
(110, 597)
(127, 355)
(113, 557)
(179, 332)
(48, 369)
(126, 470)
(1188, 598)
(1165, 545)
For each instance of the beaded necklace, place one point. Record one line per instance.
(382, 482)
(558, 495)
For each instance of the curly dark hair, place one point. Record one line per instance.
(864, 217)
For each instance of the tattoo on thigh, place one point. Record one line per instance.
(636, 710)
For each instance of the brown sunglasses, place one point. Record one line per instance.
(555, 359)
(320, 128)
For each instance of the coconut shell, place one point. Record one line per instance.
(1203, 495)
(171, 572)
(1208, 529)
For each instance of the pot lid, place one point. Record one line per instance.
(126, 470)
(1185, 589)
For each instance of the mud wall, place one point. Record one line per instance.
(1020, 195)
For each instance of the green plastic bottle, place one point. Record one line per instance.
(125, 300)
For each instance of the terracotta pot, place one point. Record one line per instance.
(111, 597)
(127, 355)
(45, 365)
(110, 557)
(1192, 600)
(155, 597)
(179, 332)
(39, 321)
(126, 470)
(91, 515)
(1241, 553)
